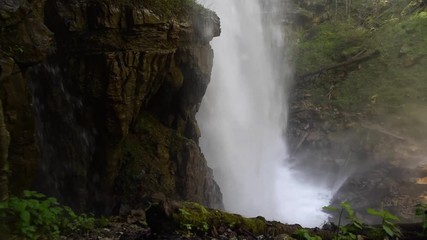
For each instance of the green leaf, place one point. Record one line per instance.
(420, 209)
(52, 201)
(374, 212)
(29, 231)
(56, 210)
(330, 209)
(19, 205)
(33, 194)
(70, 212)
(388, 230)
(184, 212)
(397, 232)
(358, 224)
(348, 209)
(25, 217)
(4, 205)
(389, 216)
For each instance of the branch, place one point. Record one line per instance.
(382, 130)
(301, 141)
(353, 60)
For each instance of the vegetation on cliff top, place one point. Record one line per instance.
(174, 8)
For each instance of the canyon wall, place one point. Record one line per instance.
(99, 100)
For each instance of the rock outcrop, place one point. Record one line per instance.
(24, 40)
(100, 101)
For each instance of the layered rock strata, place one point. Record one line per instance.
(105, 102)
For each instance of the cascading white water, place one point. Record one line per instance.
(243, 116)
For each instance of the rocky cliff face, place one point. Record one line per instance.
(100, 101)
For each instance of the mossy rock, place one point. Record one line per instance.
(192, 218)
(146, 166)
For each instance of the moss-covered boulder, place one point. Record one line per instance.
(192, 218)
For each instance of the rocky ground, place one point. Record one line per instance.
(167, 219)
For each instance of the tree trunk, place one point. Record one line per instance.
(4, 147)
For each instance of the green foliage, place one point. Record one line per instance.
(193, 217)
(421, 211)
(396, 77)
(34, 216)
(327, 44)
(197, 219)
(388, 226)
(352, 216)
(304, 234)
(382, 85)
(346, 232)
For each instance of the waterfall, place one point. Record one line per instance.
(243, 119)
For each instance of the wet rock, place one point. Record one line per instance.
(116, 66)
(160, 216)
(4, 165)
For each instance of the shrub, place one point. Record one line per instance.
(35, 215)
(388, 223)
(346, 232)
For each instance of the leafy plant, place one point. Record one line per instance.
(421, 211)
(388, 226)
(35, 215)
(344, 232)
(304, 234)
